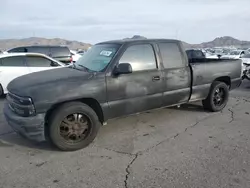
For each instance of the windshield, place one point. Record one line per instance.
(235, 53)
(98, 57)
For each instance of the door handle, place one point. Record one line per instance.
(156, 78)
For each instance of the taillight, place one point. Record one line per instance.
(71, 59)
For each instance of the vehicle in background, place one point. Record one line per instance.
(246, 59)
(60, 53)
(235, 54)
(219, 52)
(199, 54)
(75, 56)
(81, 52)
(113, 79)
(246, 66)
(246, 71)
(13, 65)
(211, 56)
(195, 54)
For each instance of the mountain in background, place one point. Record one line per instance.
(6, 44)
(222, 41)
(217, 42)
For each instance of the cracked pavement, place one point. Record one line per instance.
(171, 147)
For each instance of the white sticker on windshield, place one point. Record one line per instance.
(106, 53)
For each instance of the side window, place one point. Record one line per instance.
(38, 62)
(19, 49)
(171, 55)
(60, 51)
(37, 49)
(12, 62)
(141, 57)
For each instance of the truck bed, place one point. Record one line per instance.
(203, 71)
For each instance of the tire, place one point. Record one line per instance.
(209, 103)
(57, 120)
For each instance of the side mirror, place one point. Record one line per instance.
(123, 68)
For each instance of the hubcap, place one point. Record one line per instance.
(75, 127)
(219, 97)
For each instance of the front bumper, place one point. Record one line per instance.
(30, 127)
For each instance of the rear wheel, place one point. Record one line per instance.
(73, 126)
(217, 97)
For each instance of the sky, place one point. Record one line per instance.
(92, 21)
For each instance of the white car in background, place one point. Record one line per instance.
(75, 56)
(236, 54)
(211, 56)
(246, 59)
(13, 65)
(245, 62)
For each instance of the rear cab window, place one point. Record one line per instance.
(140, 56)
(171, 55)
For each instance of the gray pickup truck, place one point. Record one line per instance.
(68, 105)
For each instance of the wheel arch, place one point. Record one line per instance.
(91, 102)
(225, 79)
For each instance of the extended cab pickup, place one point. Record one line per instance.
(113, 79)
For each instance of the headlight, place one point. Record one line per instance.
(22, 106)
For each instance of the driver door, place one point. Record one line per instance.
(140, 90)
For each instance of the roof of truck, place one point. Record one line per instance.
(124, 41)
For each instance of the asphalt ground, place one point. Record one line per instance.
(171, 147)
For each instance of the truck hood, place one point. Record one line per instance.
(24, 85)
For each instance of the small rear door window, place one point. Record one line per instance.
(171, 55)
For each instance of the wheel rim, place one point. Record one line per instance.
(75, 127)
(219, 97)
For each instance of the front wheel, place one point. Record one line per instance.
(217, 98)
(73, 126)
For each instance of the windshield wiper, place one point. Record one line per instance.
(73, 66)
(85, 68)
